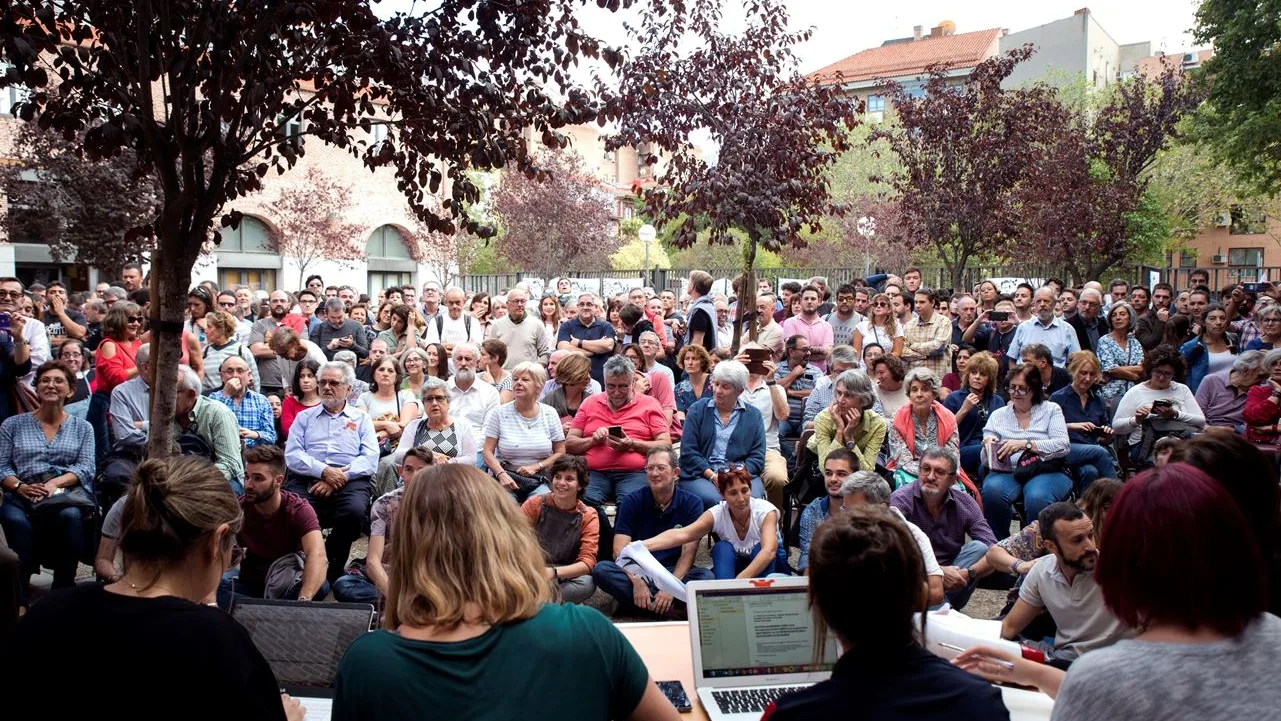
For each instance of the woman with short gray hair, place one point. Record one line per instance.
(1269, 321)
(850, 421)
(720, 433)
(923, 423)
(1222, 397)
(1263, 402)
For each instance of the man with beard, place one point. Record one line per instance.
(278, 525)
(274, 372)
(331, 456)
(469, 396)
(1063, 583)
(948, 515)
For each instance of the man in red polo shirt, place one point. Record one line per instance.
(616, 460)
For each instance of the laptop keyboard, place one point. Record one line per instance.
(750, 700)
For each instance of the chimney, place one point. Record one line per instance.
(1082, 11)
(936, 31)
(916, 32)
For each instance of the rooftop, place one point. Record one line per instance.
(913, 56)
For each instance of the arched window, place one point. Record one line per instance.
(250, 236)
(387, 242)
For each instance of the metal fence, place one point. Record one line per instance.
(1219, 276)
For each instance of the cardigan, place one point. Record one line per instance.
(746, 444)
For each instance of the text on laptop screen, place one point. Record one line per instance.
(757, 632)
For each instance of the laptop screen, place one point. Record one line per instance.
(758, 631)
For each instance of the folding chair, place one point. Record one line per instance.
(303, 641)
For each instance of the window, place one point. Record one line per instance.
(1187, 259)
(377, 134)
(379, 280)
(11, 95)
(876, 103)
(387, 242)
(251, 236)
(255, 278)
(1247, 220)
(1252, 257)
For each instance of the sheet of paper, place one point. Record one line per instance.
(637, 559)
(956, 629)
(318, 709)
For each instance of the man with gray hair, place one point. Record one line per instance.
(588, 335)
(1222, 395)
(338, 332)
(615, 430)
(469, 396)
(331, 457)
(212, 423)
(868, 488)
(1044, 328)
(526, 337)
(1089, 322)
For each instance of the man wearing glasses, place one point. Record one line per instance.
(526, 337)
(23, 341)
(586, 334)
(251, 408)
(331, 457)
(844, 319)
(431, 299)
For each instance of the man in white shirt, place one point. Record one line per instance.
(453, 326)
(1063, 584)
(470, 397)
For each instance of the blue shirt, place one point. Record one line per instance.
(639, 518)
(819, 510)
(804, 382)
(970, 427)
(27, 454)
(1059, 336)
(1095, 411)
(720, 442)
(574, 328)
(345, 439)
(253, 414)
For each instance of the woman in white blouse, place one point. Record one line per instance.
(390, 409)
(881, 328)
(748, 528)
(1161, 404)
(1029, 424)
(523, 438)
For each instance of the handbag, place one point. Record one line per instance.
(76, 496)
(1031, 464)
(525, 485)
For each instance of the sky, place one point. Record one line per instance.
(844, 27)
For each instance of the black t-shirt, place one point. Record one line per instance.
(85, 652)
(703, 322)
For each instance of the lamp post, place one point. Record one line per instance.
(647, 234)
(866, 227)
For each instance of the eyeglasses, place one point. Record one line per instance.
(136, 319)
(1162, 374)
(880, 304)
(328, 382)
(10, 294)
(232, 304)
(657, 468)
(435, 399)
(71, 355)
(1019, 390)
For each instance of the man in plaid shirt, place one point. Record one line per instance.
(927, 337)
(252, 409)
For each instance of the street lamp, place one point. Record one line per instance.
(647, 234)
(866, 227)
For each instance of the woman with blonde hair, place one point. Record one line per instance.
(881, 328)
(220, 332)
(523, 438)
(972, 404)
(469, 604)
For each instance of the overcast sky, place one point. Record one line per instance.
(844, 27)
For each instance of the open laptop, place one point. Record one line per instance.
(753, 641)
(303, 643)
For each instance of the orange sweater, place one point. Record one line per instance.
(588, 541)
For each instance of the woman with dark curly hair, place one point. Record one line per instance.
(1160, 405)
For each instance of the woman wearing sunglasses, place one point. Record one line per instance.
(881, 328)
(180, 523)
(114, 359)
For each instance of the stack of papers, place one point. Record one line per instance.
(954, 628)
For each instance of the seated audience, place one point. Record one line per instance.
(72, 353)
(208, 428)
(222, 343)
(797, 377)
(750, 545)
(1222, 396)
(1029, 438)
(948, 515)
(837, 467)
(470, 397)
(867, 584)
(866, 488)
(331, 456)
(1206, 643)
(251, 408)
(1262, 411)
(1051, 377)
(366, 580)
(922, 424)
(697, 383)
(415, 365)
(889, 372)
(1089, 423)
(493, 354)
(1120, 354)
(1063, 585)
(180, 525)
(448, 438)
(721, 431)
(850, 422)
(524, 438)
(390, 408)
(284, 554)
(960, 361)
(842, 359)
(305, 393)
(770, 400)
(614, 430)
(972, 405)
(645, 513)
(47, 473)
(573, 381)
(451, 630)
(568, 531)
(1159, 406)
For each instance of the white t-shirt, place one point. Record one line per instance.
(521, 440)
(879, 335)
(762, 400)
(723, 524)
(376, 406)
(454, 331)
(932, 567)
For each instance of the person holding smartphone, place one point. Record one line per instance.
(1160, 405)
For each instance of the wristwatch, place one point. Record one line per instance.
(771, 382)
(969, 571)
(1027, 446)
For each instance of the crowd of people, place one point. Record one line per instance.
(976, 433)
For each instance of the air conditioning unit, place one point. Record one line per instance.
(1219, 259)
(1189, 58)
(1223, 219)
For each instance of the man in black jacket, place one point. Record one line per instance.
(338, 332)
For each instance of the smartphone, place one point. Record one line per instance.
(1163, 403)
(1256, 287)
(675, 692)
(616, 431)
(999, 315)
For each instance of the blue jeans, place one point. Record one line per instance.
(55, 539)
(969, 555)
(1000, 491)
(99, 404)
(971, 459)
(603, 486)
(351, 588)
(612, 579)
(711, 495)
(727, 563)
(1090, 461)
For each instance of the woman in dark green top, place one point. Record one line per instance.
(470, 632)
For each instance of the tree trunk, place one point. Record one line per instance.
(170, 281)
(746, 294)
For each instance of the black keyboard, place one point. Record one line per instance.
(750, 700)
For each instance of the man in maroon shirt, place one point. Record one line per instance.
(277, 526)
